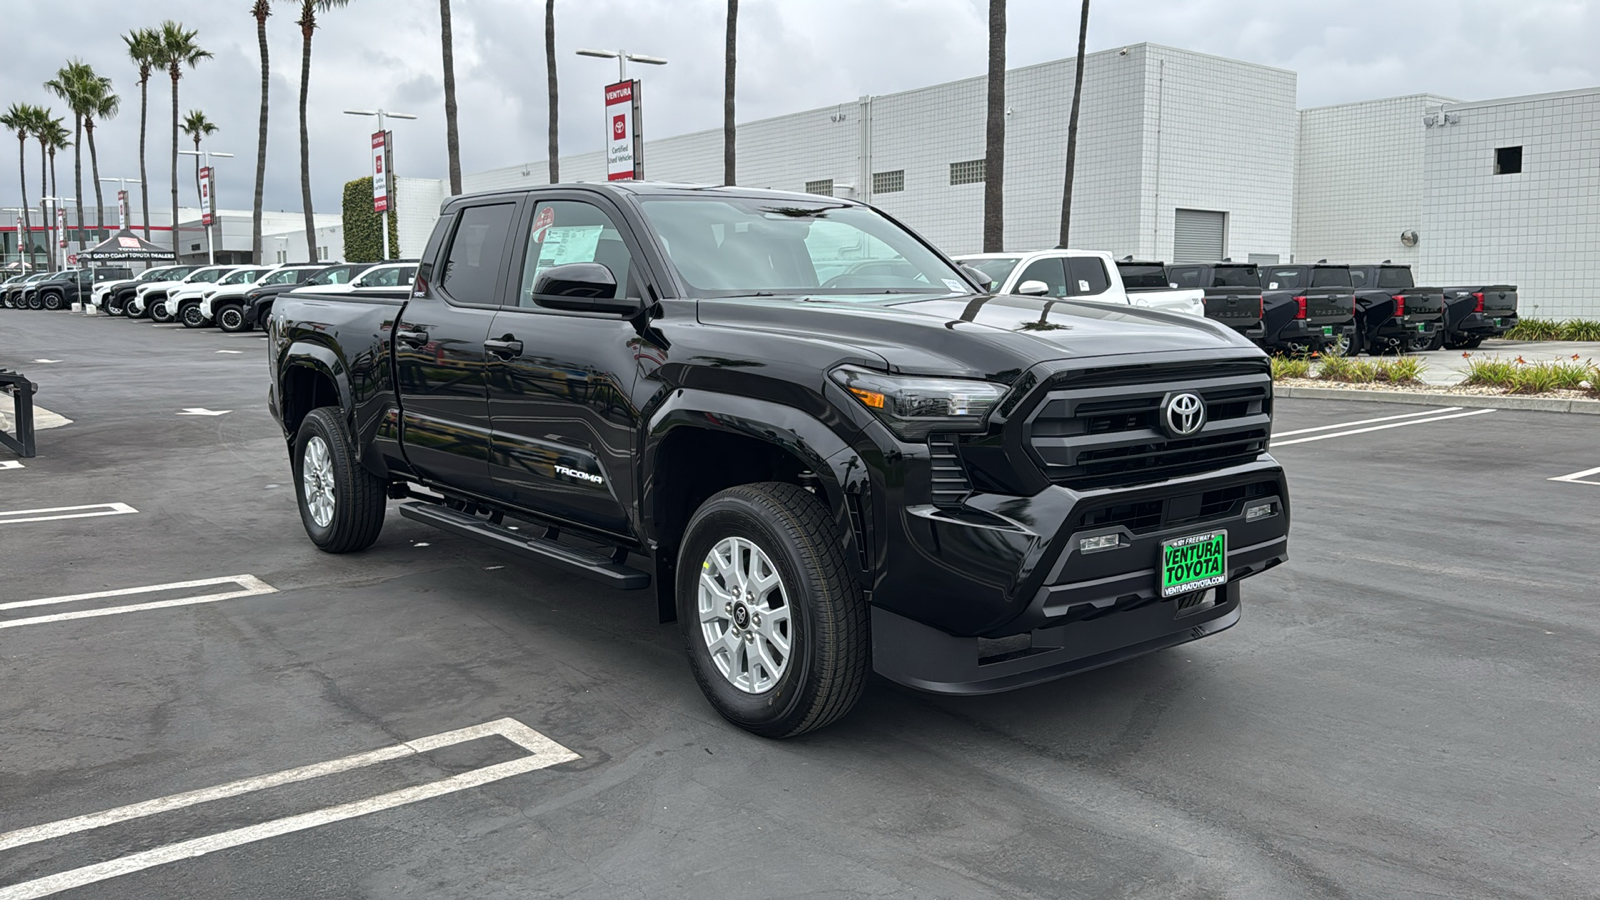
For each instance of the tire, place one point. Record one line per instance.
(35, 301)
(345, 512)
(116, 307)
(230, 318)
(825, 614)
(191, 317)
(53, 301)
(158, 311)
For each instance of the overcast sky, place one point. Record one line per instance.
(794, 54)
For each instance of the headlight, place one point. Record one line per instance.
(914, 407)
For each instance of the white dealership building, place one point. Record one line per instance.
(1182, 157)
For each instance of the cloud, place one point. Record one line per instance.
(793, 55)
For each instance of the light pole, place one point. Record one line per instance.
(622, 57)
(22, 239)
(208, 205)
(387, 153)
(55, 208)
(122, 198)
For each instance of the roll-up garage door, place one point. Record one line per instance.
(1197, 236)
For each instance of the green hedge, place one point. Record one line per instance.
(363, 242)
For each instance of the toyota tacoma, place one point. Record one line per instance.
(822, 468)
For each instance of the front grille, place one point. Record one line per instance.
(1147, 516)
(1088, 435)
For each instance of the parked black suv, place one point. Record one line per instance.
(821, 474)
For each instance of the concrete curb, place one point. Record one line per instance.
(1419, 398)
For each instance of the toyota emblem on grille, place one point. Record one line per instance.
(1183, 414)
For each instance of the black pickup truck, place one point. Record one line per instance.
(1393, 315)
(1474, 314)
(1233, 294)
(1308, 308)
(820, 475)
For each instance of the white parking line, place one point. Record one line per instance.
(247, 586)
(1427, 412)
(1579, 477)
(1323, 437)
(543, 753)
(10, 464)
(66, 512)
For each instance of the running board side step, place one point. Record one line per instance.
(608, 570)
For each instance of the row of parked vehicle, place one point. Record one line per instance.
(1316, 307)
(231, 297)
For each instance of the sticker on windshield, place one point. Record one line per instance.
(955, 286)
(541, 225)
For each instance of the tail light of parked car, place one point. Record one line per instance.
(1479, 297)
(1301, 312)
(1399, 304)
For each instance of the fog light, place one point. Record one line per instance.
(1099, 542)
(1261, 511)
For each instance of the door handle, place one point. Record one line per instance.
(507, 347)
(412, 338)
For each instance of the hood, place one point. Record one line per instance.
(975, 336)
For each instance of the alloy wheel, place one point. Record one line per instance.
(316, 481)
(745, 615)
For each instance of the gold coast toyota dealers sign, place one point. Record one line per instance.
(625, 148)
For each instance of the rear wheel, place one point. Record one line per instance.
(190, 316)
(230, 318)
(341, 503)
(776, 627)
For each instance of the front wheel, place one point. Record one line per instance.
(158, 311)
(231, 319)
(341, 503)
(191, 316)
(53, 301)
(776, 627)
(35, 301)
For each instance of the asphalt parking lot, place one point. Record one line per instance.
(1410, 708)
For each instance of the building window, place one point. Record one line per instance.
(823, 187)
(969, 172)
(888, 182)
(1508, 160)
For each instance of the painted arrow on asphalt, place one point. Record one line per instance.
(47, 361)
(202, 411)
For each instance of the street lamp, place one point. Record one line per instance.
(208, 205)
(56, 209)
(387, 153)
(622, 57)
(122, 198)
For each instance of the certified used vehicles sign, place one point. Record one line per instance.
(1194, 563)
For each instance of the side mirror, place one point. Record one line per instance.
(976, 274)
(582, 287)
(1033, 289)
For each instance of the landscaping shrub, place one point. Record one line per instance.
(1290, 367)
(1551, 330)
(1581, 330)
(1517, 376)
(1350, 370)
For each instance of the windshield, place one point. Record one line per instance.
(205, 276)
(1395, 277)
(334, 275)
(732, 246)
(1282, 279)
(1330, 276)
(1143, 276)
(243, 276)
(997, 268)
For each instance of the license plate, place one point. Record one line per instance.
(1194, 563)
(1422, 326)
(1499, 323)
(1327, 331)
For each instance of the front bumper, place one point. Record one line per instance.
(1010, 570)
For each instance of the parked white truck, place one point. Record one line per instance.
(1080, 275)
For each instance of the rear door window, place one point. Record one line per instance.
(471, 272)
(1330, 277)
(1050, 271)
(1395, 277)
(1088, 275)
(1235, 277)
(1358, 278)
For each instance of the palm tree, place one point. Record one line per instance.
(261, 9)
(41, 131)
(197, 126)
(728, 68)
(178, 49)
(308, 26)
(99, 103)
(144, 46)
(73, 83)
(550, 73)
(55, 138)
(452, 137)
(994, 145)
(21, 118)
(1072, 128)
